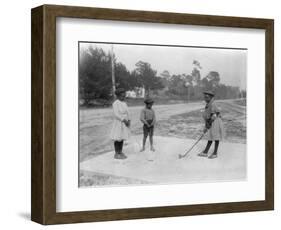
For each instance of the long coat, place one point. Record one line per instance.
(215, 127)
(119, 130)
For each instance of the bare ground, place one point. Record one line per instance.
(179, 120)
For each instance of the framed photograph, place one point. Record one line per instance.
(140, 114)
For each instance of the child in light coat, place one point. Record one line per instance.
(121, 125)
(213, 125)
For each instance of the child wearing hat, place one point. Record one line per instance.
(148, 118)
(213, 125)
(120, 130)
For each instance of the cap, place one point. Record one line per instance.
(119, 91)
(148, 101)
(209, 92)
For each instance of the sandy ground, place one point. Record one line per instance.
(178, 127)
(164, 166)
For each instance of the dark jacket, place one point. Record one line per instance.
(210, 109)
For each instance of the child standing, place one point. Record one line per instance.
(213, 125)
(148, 119)
(121, 124)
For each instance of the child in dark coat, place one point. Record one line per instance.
(148, 119)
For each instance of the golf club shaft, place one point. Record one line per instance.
(194, 145)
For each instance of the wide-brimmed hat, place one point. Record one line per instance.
(148, 101)
(118, 91)
(209, 92)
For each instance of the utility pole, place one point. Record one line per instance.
(113, 73)
(187, 85)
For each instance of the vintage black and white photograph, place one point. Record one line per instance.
(161, 114)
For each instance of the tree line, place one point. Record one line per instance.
(95, 80)
(191, 86)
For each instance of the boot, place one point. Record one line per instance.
(121, 154)
(118, 150)
(215, 153)
(205, 152)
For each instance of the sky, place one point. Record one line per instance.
(230, 63)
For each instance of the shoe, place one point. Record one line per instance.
(213, 156)
(202, 154)
(117, 156)
(122, 156)
(152, 149)
(143, 149)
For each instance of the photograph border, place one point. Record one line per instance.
(43, 119)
